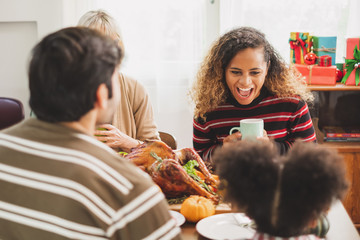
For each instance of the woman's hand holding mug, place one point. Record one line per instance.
(250, 129)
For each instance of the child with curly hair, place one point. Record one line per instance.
(284, 195)
(244, 77)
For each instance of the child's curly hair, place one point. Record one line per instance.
(210, 89)
(283, 194)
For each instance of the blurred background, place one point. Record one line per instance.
(166, 40)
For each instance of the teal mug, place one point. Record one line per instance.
(250, 128)
(322, 227)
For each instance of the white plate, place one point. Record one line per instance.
(180, 219)
(224, 226)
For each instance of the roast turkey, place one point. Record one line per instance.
(173, 170)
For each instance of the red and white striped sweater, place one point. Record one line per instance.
(285, 120)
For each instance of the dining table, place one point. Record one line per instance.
(341, 226)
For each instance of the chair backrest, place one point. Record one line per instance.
(169, 139)
(11, 112)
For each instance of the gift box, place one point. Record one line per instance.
(351, 43)
(317, 75)
(352, 62)
(350, 80)
(325, 61)
(324, 46)
(299, 46)
(340, 71)
(340, 66)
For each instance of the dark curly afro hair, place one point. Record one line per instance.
(283, 194)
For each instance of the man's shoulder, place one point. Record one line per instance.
(78, 156)
(111, 159)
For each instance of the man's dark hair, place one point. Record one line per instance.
(283, 194)
(66, 69)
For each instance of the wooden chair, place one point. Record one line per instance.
(11, 112)
(169, 139)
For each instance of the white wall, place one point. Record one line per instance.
(22, 24)
(16, 40)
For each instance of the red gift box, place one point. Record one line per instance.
(350, 81)
(325, 61)
(351, 44)
(317, 75)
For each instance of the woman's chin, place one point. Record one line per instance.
(245, 100)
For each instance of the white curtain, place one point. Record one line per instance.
(163, 46)
(277, 18)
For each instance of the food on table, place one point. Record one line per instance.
(176, 172)
(101, 129)
(195, 208)
(123, 154)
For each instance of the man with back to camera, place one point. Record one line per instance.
(57, 181)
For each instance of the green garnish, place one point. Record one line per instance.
(123, 154)
(158, 159)
(154, 155)
(177, 200)
(190, 169)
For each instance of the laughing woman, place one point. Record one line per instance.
(244, 77)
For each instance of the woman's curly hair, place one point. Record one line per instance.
(283, 194)
(210, 89)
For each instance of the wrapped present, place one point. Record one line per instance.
(325, 61)
(351, 43)
(317, 75)
(325, 46)
(310, 44)
(299, 46)
(350, 79)
(340, 66)
(352, 62)
(339, 71)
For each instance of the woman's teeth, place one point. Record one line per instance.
(244, 92)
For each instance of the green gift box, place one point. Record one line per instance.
(325, 46)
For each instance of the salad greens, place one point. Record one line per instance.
(190, 169)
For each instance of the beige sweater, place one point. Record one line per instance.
(135, 116)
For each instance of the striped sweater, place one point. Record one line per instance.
(57, 183)
(285, 120)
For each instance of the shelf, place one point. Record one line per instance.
(337, 87)
(342, 146)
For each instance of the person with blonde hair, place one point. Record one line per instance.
(243, 77)
(134, 119)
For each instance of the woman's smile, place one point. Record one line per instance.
(244, 92)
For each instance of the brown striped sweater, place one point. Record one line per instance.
(57, 183)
